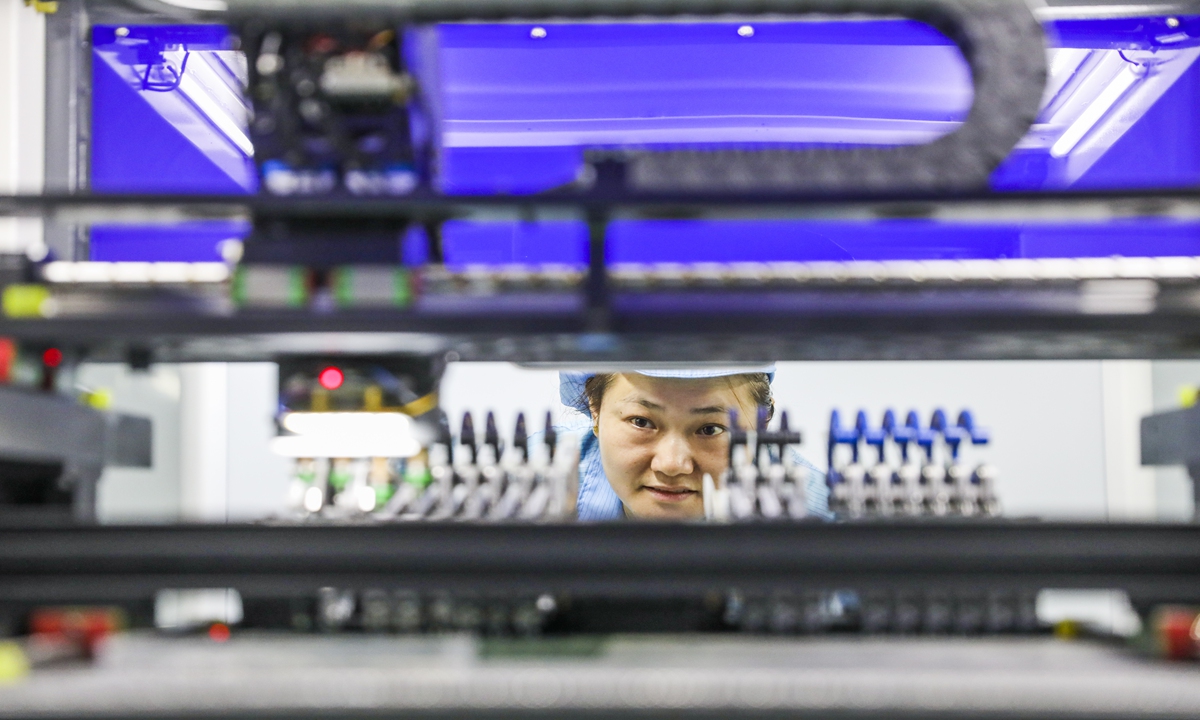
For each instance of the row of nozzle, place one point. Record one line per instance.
(763, 479)
(903, 437)
(935, 482)
(470, 478)
(473, 480)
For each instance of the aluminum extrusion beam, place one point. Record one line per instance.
(1154, 563)
(1098, 206)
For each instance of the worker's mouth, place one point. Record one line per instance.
(670, 494)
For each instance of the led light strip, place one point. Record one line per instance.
(135, 273)
(635, 276)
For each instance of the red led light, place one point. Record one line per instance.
(52, 357)
(331, 378)
(218, 632)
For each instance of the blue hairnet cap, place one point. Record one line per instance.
(571, 384)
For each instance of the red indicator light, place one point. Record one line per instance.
(52, 357)
(218, 632)
(331, 378)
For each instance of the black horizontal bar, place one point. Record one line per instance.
(432, 206)
(117, 564)
(900, 333)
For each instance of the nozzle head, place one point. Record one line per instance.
(491, 436)
(466, 435)
(521, 436)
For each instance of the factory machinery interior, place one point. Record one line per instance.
(385, 190)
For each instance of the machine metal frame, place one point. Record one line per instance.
(1153, 563)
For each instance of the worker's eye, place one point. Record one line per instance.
(711, 430)
(641, 422)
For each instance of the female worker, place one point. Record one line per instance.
(655, 434)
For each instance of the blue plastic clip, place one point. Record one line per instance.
(924, 437)
(872, 436)
(978, 435)
(839, 435)
(902, 435)
(952, 434)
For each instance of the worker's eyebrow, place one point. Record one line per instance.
(651, 405)
(643, 402)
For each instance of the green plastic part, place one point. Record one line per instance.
(297, 288)
(343, 286)
(418, 476)
(237, 286)
(404, 289)
(339, 479)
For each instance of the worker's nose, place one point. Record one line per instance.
(673, 456)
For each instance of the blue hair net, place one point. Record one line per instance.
(571, 384)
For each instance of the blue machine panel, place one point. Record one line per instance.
(167, 117)
(515, 109)
(511, 92)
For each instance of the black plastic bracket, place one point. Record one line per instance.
(1000, 40)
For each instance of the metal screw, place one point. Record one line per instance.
(746, 31)
(1172, 22)
(124, 31)
(537, 33)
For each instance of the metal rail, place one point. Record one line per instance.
(1082, 308)
(1154, 563)
(1099, 206)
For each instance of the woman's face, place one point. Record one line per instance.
(660, 436)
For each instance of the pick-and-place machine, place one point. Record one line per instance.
(432, 566)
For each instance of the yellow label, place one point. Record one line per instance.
(13, 663)
(98, 399)
(373, 398)
(24, 301)
(1066, 629)
(46, 7)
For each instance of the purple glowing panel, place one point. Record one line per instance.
(685, 241)
(1119, 108)
(472, 243)
(648, 241)
(507, 89)
(198, 241)
(168, 113)
(167, 117)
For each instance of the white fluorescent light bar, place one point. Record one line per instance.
(1094, 112)
(216, 114)
(368, 423)
(346, 435)
(344, 446)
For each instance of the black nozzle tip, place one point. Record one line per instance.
(491, 435)
(467, 435)
(520, 435)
